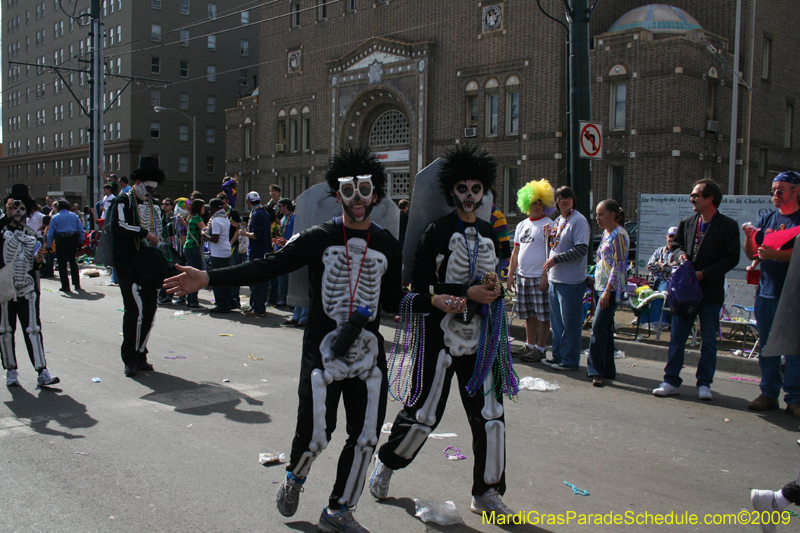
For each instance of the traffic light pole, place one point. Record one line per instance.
(96, 88)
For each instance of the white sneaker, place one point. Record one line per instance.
(704, 393)
(665, 389)
(764, 500)
(488, 503)
(12, 378)
(45, 378)
(379, 480)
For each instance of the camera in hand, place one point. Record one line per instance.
(350, 331)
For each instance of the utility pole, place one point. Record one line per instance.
(735, 104)
(579, 14)
(96, 88)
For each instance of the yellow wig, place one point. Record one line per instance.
(533, 191)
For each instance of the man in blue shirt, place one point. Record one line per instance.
(286, 215)
(774, 266)
(66, 229)
(260, 245)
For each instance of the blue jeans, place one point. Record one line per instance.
(222, 295)
(601, 347)
(771, 380)
(258, 297)
(283, 288)
(194, 258)
(114, 278)
(566, 321)
(300, 314)
(681, 329)
(234, 260)
(273, 291)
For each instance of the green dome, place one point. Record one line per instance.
(658, 18)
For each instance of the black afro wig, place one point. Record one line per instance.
(356, 161)
(466, 162)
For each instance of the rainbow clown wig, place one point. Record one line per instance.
(533, 191)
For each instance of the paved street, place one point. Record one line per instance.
(176, 450)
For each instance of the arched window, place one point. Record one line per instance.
(248, 137)
(390, 129)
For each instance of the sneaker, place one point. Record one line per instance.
(533, 356)
(291, 322)
(704, 393)
(130, 371)
(559, 366)
(219, 310)
(794, 409)
(288, 497)
(665, 389)
(12, 378)
(548, 362)
(165, 301)
(254, 313)
(379, 480)
(145, 367)
(341, 522)
(488, 503)
(763, 403)
(194, 306)
(181, 300)
(520, 350)
(45, 378)
(765, 500)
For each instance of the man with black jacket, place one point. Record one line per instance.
(711, 241)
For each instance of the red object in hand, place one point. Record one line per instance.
(776, 239)
(753, 276)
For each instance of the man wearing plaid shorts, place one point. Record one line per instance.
(526, 267)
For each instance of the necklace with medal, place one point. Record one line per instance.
(560, 228)
(471, 256)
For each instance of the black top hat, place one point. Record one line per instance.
(19, 191)
(148, 170)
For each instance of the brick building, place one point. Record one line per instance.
(412, 78)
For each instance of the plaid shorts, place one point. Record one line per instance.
(531, 302)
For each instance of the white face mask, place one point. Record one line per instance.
(144, 190)
(20, 211)
(356, 194)
(468, 194)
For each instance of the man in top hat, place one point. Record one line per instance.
(136, 224)
(774, 267)
(21, 257)
(66, 230)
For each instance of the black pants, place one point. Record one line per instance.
(354, 393)
(47, 266)
(22, 309)
(140, 311)
(463, 368)
(792, 492)
(66, 249)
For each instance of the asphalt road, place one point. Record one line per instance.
(176, 450)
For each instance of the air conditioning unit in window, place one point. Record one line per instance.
(280, 147)
(470, 132)
(712, 126)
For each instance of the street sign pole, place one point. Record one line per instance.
(580, 100)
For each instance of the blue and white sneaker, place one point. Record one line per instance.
(340, 522)
(488, 503)
(379, 480)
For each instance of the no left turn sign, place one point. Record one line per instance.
(591, 140)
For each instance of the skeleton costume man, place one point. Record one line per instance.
(455, 252)
(136, 223)
(352, 263)
(19, 287)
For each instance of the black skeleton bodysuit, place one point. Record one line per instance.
(21, 300)
(443, 262)
(362, 268)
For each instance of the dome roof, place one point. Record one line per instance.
(658, 18)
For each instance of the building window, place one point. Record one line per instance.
(119, 130)
(155, 97)
(155, 130)
(618, 100)
(510, 187)
(491, 114)
(248, 139)
(211, 135)
(155, 65)
(294, 19)
(184, 69)
(390, 129)
(212, 11)
(183, 132)
(212, 43)
(293, 134)
(209, 165)
(183, 164)
(155, 32)
(185, 37)
(184, 7)
(282, 127)
(245, 17)
(322, 10)
(306, 134)
(351, 5)
(211, 104)
(211, 73)
(472, 111)
(766, 58)
(244, 48)
(183, 101)
(616, 179)
(788, 126)
(762, 162)
(512, 113)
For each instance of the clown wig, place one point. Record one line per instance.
(356, 161)
(533, 191)
(465, 162)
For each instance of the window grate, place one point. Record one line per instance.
(391, 129)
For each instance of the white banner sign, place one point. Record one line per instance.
(658, 212)
(393, 157)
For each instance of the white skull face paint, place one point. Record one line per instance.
(356, 194)
(19, 214)
(144, 190)
(468, 194)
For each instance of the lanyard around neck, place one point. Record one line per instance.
(472, 257)
(363, 259)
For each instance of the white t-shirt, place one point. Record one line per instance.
(532, 247)
(35, 222)
(220, 226)
(106, 204)
(571, 231)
